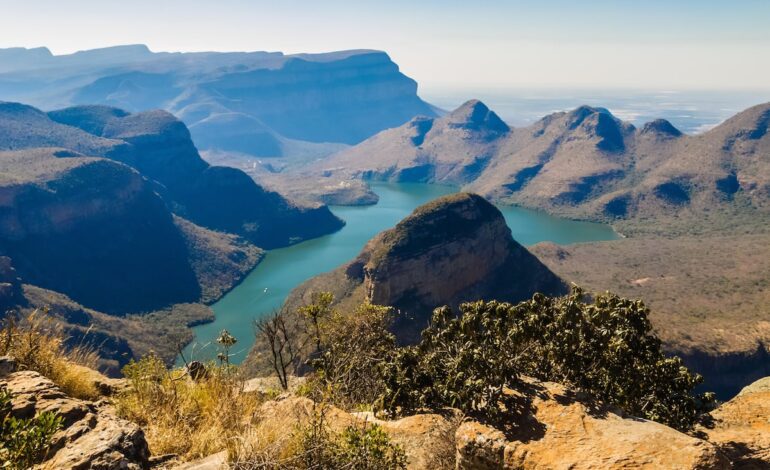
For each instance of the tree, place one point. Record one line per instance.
(285, 343)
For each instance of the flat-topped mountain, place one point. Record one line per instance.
(262, 101)
(159, 146)
(455, 249)
(584, 163)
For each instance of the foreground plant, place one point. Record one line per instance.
(185, 417)
(605, 348)
(24, 442)
(38, 342)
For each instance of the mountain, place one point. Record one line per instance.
(454, 249)
(159, 146)
(97, 231)
(585, 163)
(264, 102)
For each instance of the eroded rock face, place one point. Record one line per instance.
(455, 249)
(92, 436)
(742, 427)
(560, 430)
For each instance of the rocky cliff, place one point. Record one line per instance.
(221, 198)
(455, 249)
(262, 100)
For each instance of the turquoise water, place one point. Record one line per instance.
(265, 288)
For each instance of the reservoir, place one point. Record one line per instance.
(266, 287)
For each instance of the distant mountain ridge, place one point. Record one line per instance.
(256, 103)
(584, 163)
(159, 146)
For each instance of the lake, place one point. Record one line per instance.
(266, 287)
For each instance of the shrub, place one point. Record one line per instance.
(23, 442)
(606, 348)
(353, 349)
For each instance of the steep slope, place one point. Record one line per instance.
(453, 149)
(457, 248)
(159, 147)
(64, 223)
(342, 97)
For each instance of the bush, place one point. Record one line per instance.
(606, 348)
(23, 442)
(362, 447)
(353, 349)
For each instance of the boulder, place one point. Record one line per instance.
(558, 429)
(92, 436)
(741, 427)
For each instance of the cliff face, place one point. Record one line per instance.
(260, 100)
(159, 146)
(70, 221)
(454, 249)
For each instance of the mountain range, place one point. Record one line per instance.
(107, 213)
(257, 103)
(585, 163)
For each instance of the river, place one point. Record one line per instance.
(266, 287)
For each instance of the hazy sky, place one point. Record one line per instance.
(673, 44)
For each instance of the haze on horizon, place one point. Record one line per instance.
(683, 45)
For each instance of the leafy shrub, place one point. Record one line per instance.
(362, 447)
(606, 348)
(23, 442)
(353, 349)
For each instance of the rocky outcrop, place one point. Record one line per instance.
(559, 429)
(741, 427)
(455, 249)
(92, 436)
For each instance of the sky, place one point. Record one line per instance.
(447, 44)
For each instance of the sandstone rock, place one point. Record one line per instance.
(92, 437)
(742, 427)
(216, 461)
(559, 430)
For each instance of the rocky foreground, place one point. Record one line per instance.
(553, 427)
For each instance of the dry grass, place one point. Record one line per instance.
(184, 417)
(38, 343)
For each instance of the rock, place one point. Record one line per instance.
(7, 365)
(92, 436)
(741, 427)
(197, 370)
(454, 249)
(560, 430)
(216, 461)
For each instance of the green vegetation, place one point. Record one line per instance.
(23, 442)
(605, 348)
